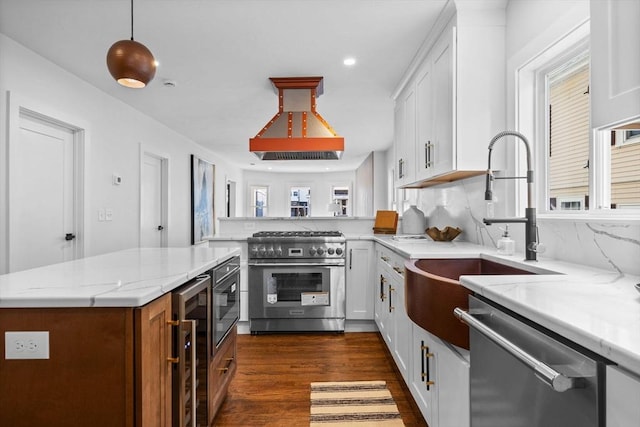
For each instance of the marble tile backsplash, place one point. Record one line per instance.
(608, 245)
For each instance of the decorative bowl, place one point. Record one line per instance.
(447, 234)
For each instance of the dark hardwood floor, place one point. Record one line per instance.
(271, 387)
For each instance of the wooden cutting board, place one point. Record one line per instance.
(386, 222)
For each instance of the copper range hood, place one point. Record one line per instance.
(297, 131)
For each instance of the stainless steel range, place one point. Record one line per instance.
(296, 281)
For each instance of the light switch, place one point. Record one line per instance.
(101, 215)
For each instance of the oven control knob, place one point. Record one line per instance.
(330, 251)
(338, 251)
(320, 251)
(279, 252)
(254, 250)
(312, 251)
(270, 252)
(262, 250)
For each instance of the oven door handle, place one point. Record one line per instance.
(294, 264)
(554, 379)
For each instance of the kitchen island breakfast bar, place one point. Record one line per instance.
(105, 359)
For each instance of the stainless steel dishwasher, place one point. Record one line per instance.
(525, 376)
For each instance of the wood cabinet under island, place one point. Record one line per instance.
(109, 337)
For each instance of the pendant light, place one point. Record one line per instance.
(130, 62)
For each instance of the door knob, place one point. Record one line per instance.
(69, 236)
(160, 228)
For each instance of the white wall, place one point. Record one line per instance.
(280, 183)
(115, 132)
(364, 188)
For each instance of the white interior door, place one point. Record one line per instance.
(41, 195)
(152, 223)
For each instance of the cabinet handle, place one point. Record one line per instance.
(223, 370)
(350, 258)
(427, 355)
(428, 154)
(391, 307)
(173, 323)
(382, 282)
(384, 258)
(400, 168)
(423, 374)
(229, 359)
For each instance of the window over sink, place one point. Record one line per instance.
(577, 170)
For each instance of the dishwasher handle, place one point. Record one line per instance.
(554, 379)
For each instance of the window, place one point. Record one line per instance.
(340, 201)
(259, 201)
(576, 169)
(300, 201)
(568, 133)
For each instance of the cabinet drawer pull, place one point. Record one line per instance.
(173, 322)
(223, 370)
(429, 383)
(229, 359)
(173, 360)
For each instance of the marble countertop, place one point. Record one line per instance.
(127, 278)
(597, 309)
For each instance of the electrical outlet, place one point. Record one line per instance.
(108, 214)
(101, 215)
(26, 345)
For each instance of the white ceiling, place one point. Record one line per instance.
(221, 53)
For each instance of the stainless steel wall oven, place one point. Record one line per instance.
(225, 297)
(297, 281)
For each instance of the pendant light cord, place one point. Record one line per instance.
(131, 19)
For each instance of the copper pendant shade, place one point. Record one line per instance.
(130, 62)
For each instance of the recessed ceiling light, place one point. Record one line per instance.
(349, 62)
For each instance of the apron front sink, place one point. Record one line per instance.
(433, 290)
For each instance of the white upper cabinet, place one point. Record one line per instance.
(405, 134)
(615, 62)
(457, 96)
(434, 112)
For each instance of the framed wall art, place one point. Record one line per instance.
(202, 201)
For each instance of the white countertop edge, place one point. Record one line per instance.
(575, 323)
(110, 292)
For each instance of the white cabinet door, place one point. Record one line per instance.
(623, 398)
(359, 280)
(381, 309)
(452, 385)
(423, 374)
(425, 138)
(615, 61)
(405, 122)
(401, 327)
(443, 153)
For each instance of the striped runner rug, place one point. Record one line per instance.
(354, 403)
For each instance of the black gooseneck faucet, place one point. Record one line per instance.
(531, 230)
